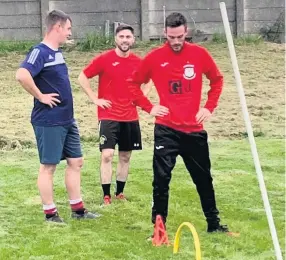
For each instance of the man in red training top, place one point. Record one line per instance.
(117, 114)
(177, 69)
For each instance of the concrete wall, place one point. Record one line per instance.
(206, 15)
(259, 14)
(20, 20)
(90, 15)
(23, 19)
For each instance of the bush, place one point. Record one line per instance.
(18, 46)
(95, 42)
(242, 40)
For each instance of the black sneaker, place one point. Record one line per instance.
(84, 215)
(54, 218)
(218, 228)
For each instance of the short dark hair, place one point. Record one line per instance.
(56, 16)
(175, 20)
(122, 27)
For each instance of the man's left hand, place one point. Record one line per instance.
(203, 115)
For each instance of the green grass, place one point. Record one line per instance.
(92, 42)
(97, 42)
(15, 46)
(241, 40)
(120, 233)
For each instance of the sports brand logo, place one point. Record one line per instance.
(164, 64)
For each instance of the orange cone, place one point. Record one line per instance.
(160, 236)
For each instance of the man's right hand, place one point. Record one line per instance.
(159, 110)
(103, 103)
(49, 99)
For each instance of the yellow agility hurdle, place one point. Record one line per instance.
(195, 237)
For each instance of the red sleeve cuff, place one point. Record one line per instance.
(87, 73)
(210, 108)
(148, 108)
(144, 103)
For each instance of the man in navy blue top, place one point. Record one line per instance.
(44, 75)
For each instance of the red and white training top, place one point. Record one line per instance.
(178, 78)
(113, 72)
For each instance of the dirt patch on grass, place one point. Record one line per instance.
(262, 72)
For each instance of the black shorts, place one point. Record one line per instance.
(126, 134)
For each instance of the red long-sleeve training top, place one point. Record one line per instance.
(178, 79)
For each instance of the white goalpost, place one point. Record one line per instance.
(250, 131)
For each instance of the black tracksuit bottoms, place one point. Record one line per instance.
(194, 150)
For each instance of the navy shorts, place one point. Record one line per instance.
(56, 143)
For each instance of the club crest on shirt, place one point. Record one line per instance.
(189, 72)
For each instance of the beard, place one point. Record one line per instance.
(125, 49)
(177, 47)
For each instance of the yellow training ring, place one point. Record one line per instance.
(195, 237)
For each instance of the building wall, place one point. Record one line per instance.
(24, 19)
(20, 20)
